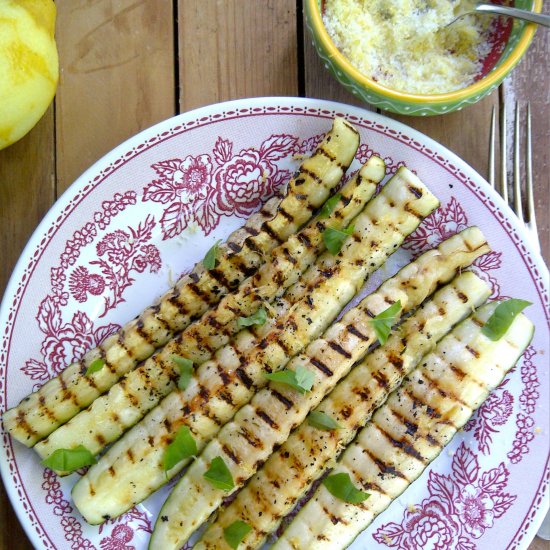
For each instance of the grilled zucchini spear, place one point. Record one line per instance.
(247, 441)
(133, 468)
(140, 390)
(411, 429)
(61, 398)
(289, 472)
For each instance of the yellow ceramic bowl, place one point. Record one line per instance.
(417, 104)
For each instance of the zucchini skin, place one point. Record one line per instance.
(248, 440)
(62, 397)
(221, 386)
(438, 398)
(291, 470)
(139, 391)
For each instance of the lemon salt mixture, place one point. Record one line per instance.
(404, 45)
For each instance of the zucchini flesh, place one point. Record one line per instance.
(62, 397)
(452, 382)
(140, 390)
(221, 386)
(248, 440)
(289, 472)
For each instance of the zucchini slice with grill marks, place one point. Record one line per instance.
(290, 471)
(141, 389)
(274, 411)
(411, 429)
(132, 468)
(61, 398)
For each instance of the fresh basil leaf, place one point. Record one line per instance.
(235, 533)
(323, 421)
(334, 238)
(259, 318)
(384, 321)
(182, 447)
(503, 316)
(329, 206)
(69, 460)
(95, 365)
(340, 486)
(186, 370)
(209, 261)
(301, 379)
(219, 475)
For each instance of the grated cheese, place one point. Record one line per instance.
(404, 45)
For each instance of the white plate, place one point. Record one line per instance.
(150, 209)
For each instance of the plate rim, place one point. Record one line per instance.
(321, 107)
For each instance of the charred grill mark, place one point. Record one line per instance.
(396, 361)
(372, 486)
(473, 351)
(197, 291)
(269, 230)
(48, 412)
(304, 239)
(383, 467)
(266, 418)
(334, 519)
(131, 397)
(286, 214)
(289, 256)
(339, 349)
(312, 175)
(231, 454)
(287, 403)
(381, 379)
(100, 439)
(362, 392)
(167, 425)
(244, 378)
(463, 298)
(477, 322)
(111, 471)
(415, 191)
(173, 300)
(225, 378)
(321, 366)
(332, 158)
(219, 277)
(151, 440)
(406, 447)
(457, 372)
(22, 423)
(194, 277)
(251, 439)
(353, 330)
(227, 398)
(252, 231)
(130, 455)
(234, 247)
(370, 313)
(251, 244)
(284, 347)
(409, 209)
(204, 392)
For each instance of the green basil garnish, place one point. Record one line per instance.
(340, 486)
(259, 318)
(503, 316)
(384, 321)
(69, 460)
(235, 533)
(186, 370)
(301, 379)
(322, 421)
(334, 238)
(182, 447)
(329, 206)
(219, 475)
(95, 366)
(209, 261)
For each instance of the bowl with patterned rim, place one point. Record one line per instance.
(509, 41)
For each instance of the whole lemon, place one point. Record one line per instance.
(29, 67)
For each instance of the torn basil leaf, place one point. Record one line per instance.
(340, 486)
(259, 318)
(219, 475)
(182, 447)
(334, 238)
(235, 533)
(323, 421)
(186, 370)
(329, 206)
(503, 316)
(385, 320)
(301, 379)
(209, 261)
(95, 366)
(69, 460)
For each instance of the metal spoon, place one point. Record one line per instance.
(526, 15)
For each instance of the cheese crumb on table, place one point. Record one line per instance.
(404, 45)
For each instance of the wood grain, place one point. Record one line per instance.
(117, 77)
(236, 48)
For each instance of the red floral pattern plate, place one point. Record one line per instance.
(150, 209)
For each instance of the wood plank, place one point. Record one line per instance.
(530, 82)
(117, 76)
(235, 49)
(27, 190)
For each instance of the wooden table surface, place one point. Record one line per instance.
(127, 64)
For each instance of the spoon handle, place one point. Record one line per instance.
(526, 15)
